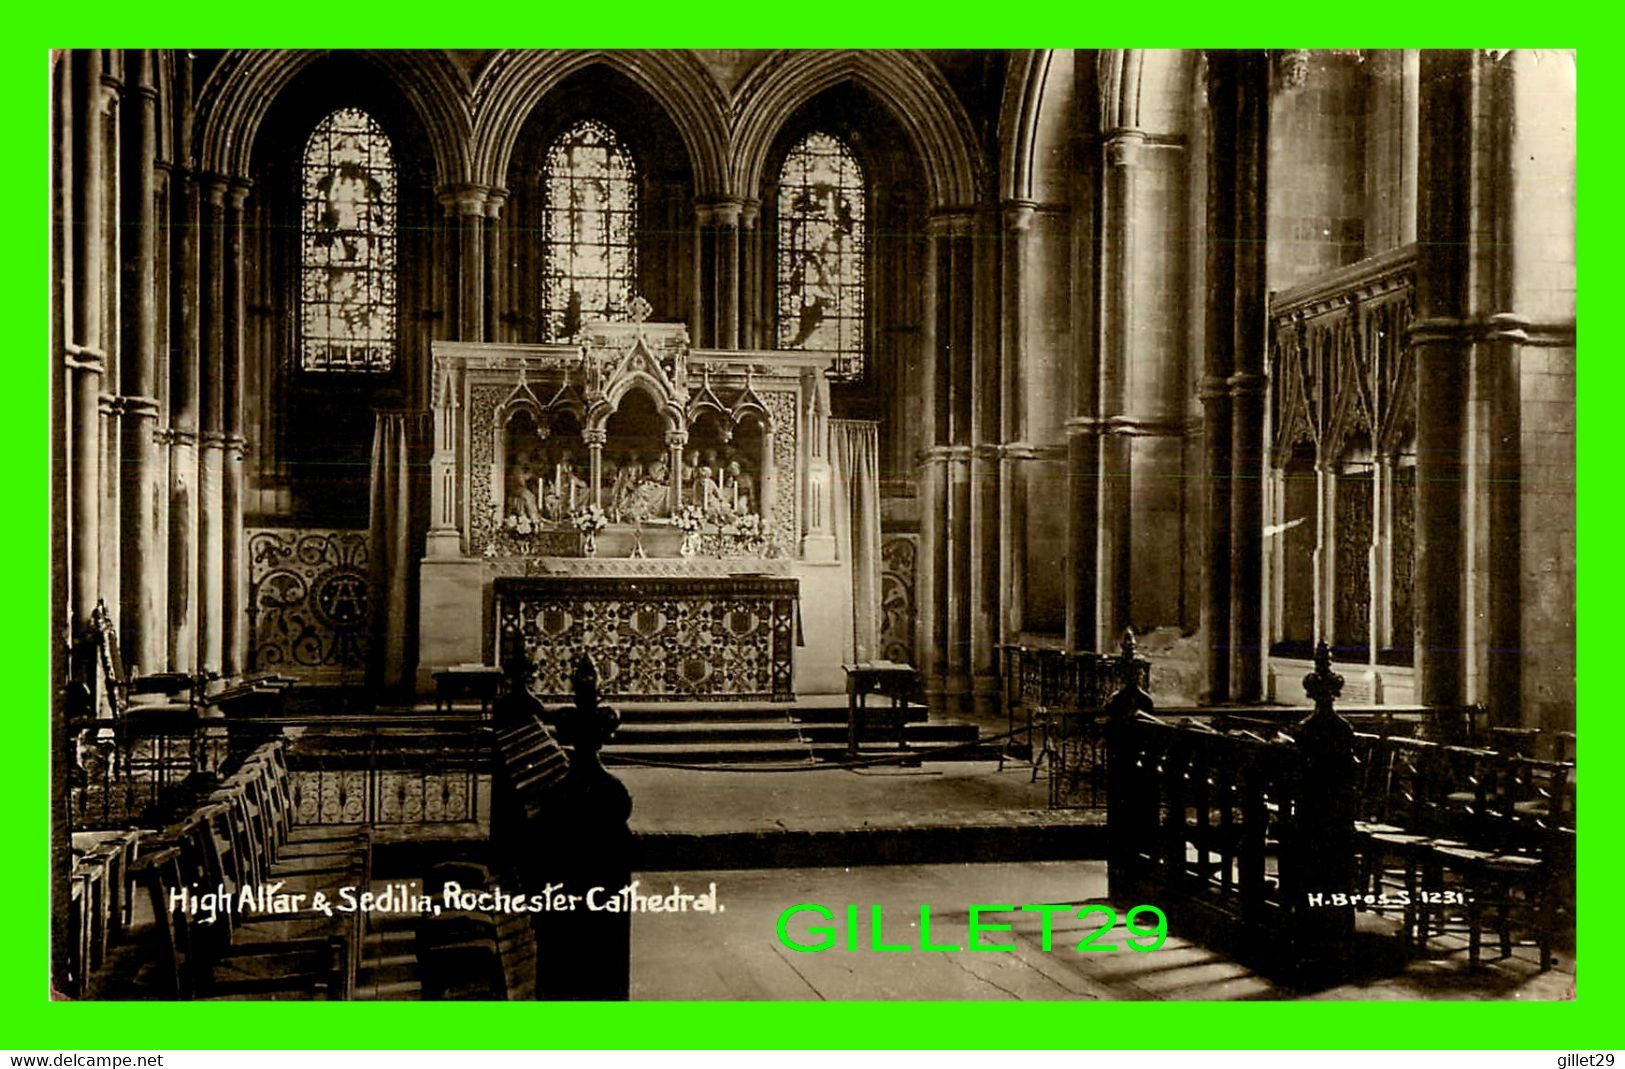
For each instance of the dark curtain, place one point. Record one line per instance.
(399, 507)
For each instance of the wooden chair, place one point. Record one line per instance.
(156, 721)
(193, 960)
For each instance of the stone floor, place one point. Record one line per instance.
(736, 954)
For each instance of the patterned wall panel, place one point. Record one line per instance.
(1404, 561)
(654, 639)
(1351, 623)
(309, 600)
(898, 553)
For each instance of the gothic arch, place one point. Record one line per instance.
(1119, 73)
(905, 83)
(240, 91)
(514, 82)
(1018, 122)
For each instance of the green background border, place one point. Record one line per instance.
(28, 1020)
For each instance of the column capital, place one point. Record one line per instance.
(238, 192)
(1123, 147)
(464, 198)
(595, 437)
(677, 439)
(84, 358)
(750, 212)
(141, 407)
(214, 188)
(1086, 426)
(495, 200)
(1018, 215)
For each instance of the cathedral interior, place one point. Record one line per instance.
(1098, 477)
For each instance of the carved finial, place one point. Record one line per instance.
(588, 726)
(1323, 685)
(638, 309)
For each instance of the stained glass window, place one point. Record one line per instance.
(590, 258)
(821, 245)
(347, 247)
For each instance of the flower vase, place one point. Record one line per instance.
(691, 544)
(589, 543)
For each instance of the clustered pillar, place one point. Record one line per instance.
(1232, 388)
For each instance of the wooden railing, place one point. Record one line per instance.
(1231, 834)
(1255, 829)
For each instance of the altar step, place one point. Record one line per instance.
(811, 730)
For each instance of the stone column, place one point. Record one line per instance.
(595, 437)
(750, 276)
(1114, 556)
(929, 639)
(675, 441)
(494, 268)
(699, 316)
(110, 407)
(85, 360)
(467, 204)
(1013, 457)
(1441, 346)
(212, 438)
(1250, 334)
(142, 628)
(234, 560)
(185, 395)
(957, 369)
(726, 216)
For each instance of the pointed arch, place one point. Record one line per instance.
(905, 83)
(242, 88)
(514, 82)
(1018, 122)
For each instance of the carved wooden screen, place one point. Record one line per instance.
(1351, 624)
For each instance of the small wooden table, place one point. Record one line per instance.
(467, 680)
(889, 678)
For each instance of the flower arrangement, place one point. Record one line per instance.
(589, 519)
(745, 528)
(521, 525)
(746, 535)
(689, 519)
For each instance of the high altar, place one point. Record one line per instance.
(665, 508)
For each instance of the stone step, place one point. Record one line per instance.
(830, 750)
(945, 838)
(725, 731)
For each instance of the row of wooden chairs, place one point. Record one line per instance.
(239, 845)
(1468, 839)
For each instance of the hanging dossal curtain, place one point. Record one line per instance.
(854, 447)
(398, 484)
